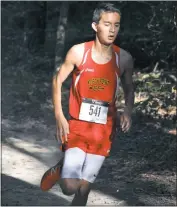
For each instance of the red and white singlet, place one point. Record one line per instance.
(92, 102)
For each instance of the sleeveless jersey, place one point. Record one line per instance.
(95, 81)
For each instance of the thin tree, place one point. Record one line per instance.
(61, 34)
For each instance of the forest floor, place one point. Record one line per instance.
(140, 171)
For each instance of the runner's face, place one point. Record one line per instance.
(108, 27)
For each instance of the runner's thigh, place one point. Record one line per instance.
(92, 166)
(73, 162)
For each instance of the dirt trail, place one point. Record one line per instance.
(27, 153)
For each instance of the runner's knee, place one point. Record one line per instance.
(69, 190)
(84, 188)
(68, 187)
(84, 191)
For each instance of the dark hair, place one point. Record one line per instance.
(104, 7)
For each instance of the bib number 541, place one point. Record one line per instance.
(94, 110)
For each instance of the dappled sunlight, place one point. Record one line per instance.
(24, 124)
(30, 147)
(45, 151)
(21, 165)
(158, 178)
(139, 98)
(102, 198)
(26, 168)
(157, 199)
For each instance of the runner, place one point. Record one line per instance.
(87, 136)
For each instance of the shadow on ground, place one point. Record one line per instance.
(141, 168)
(24, 194)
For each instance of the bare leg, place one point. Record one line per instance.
(69, 186)
(80, 188)
(81, 196)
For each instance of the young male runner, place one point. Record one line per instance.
(97, 67)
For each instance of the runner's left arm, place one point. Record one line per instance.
(127, 81)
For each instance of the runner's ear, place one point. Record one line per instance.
(94, 26)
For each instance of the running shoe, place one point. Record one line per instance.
(51, 177)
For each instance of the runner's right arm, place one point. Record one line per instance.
(73, 58)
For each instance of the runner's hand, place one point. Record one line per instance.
(125, 121)
(62, 129)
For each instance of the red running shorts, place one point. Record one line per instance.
(90, 137)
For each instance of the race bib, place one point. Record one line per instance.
(94, 111)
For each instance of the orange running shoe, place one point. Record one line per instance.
(51, 177)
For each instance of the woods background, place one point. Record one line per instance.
(35, 36)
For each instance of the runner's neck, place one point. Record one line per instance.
(102, 49)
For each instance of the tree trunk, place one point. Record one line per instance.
(34, 26)
(52, 15)
(60, 34)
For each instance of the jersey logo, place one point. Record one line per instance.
(98, 84)
(89, 70)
